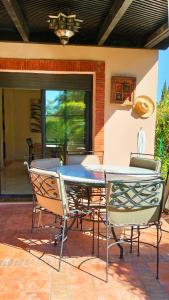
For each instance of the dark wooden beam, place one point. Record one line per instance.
(17, 17)
(116, 12)
(158, 36)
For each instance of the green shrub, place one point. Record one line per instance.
(162, 129)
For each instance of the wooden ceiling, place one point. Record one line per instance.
(111, 23)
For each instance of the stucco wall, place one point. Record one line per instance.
(120, 132)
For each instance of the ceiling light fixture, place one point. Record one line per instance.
(64, 26)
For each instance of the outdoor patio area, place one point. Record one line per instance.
(28, 264)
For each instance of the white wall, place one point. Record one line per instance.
(121, 126)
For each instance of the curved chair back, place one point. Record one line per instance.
(134, 201)
(145, 162)
(46, 163)
(82, 159)
(49, 189)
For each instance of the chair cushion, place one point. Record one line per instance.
(140, 162)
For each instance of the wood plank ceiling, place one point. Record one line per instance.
(111, 23)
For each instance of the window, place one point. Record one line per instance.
(68, 119)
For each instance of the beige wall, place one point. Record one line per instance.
(17, 122)
(120, 126)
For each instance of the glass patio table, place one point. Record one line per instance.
(90, 180)
(93, 175)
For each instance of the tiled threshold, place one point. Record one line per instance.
(15, 202)
(15, 199)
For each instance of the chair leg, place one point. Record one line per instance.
(34, 211)
(116, 240)
(107, 250)
(40, 219)
(93, 238)
(158, 243)
(131, 240)
(81, 223)
(62, 241)
(98, 229)
(33, 218)
(138, 241)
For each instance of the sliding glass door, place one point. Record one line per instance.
(67, 121)
(53, 110)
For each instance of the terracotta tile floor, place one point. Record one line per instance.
(28, 263)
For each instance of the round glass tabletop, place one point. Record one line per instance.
(95, 174)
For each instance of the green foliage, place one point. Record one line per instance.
(162, 129)
(65, 118)
(164, 91)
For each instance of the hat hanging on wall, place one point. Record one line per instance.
(144, 106)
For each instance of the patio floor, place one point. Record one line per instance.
(28, 263)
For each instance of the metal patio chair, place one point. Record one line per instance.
(147, 161)
(90, 197)
(166, 202)
(131, 203)
(166, 195)
(31, 153)
(49, 190)
(82, 159)
(46, 164)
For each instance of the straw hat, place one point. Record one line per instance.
(144, 106)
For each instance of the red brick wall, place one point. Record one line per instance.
(86, 66)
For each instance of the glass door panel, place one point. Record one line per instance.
(66, 114)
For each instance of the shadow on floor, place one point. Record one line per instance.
(82, 275)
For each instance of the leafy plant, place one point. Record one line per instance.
(162, 129)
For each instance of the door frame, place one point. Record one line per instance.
(51, 66)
